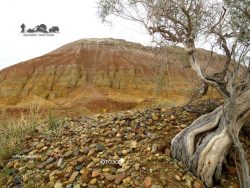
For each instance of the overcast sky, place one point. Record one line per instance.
(76, 19)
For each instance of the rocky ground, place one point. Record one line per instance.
(124, 149)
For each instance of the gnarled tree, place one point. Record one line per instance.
(203, 145)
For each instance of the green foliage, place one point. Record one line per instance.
(240, 18)
(53, 121)
(13, 132)
(54, 124)
(6, 171)
(4, 175)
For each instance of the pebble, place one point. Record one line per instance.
(197, 184)
(40, 145)
(85, 175)
(189, 180)
(177, 177)
(127, 180)
(118, 135)
(49, 160)
(76, 186)
(154, 148)
(132, 144)
(59, 162)
(58, 185)
(121, 161)
(92, 146)
(106, 169)
(78, 167)
(95, 173)
(93, 181)
(100, 147)
(69, 169)
(163, 110)
(17, 180)
(155, 118)
(120, 177)
(80, 159)
(163, 181)
(91, 186)
(122, 122)
(73, 176)
(90, 165)
(137, 166)
(147, 182)
(124, 152)
(91, 152)
(183, 126)
(49, 167)
(68, 153)
(109, 176)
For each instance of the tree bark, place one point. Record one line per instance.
(203, 145)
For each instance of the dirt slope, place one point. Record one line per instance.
(90, 75)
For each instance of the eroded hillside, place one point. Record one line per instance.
(95, 74)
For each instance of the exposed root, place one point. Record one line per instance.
(203, 145)
(211, 157)
(191, 136)
(218, 170)
(182, 145)
(205, 157)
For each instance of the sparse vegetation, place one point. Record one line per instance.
(163, 104)
(13, 131)
(54, 123)
(4, 174)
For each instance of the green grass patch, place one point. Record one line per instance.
(13, 132)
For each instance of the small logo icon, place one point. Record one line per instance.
(40, 29)
(23, 28)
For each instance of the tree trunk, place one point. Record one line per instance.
(204, 145)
